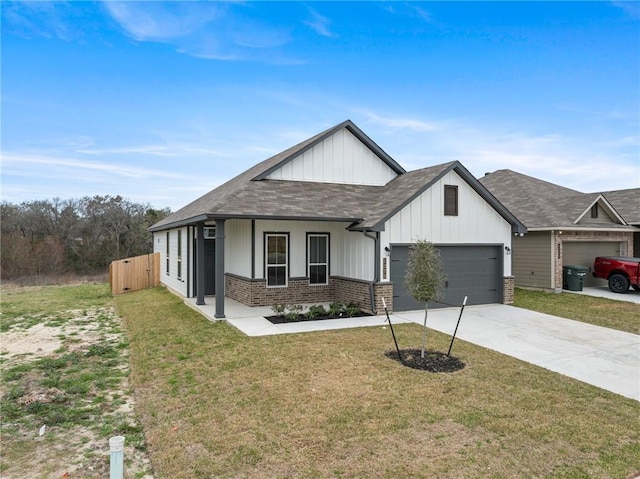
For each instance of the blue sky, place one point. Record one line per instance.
(163, 101)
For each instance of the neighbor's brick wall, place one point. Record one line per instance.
(559, 239)
(508, 289)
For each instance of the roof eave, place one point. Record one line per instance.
(582, 228)
(210, 217)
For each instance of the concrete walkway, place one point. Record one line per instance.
(603, 357)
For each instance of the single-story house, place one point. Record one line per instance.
(332, 219)
(565, 227)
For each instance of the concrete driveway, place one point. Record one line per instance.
(603, 357)
(630, 296)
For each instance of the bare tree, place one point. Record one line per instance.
(81, 236)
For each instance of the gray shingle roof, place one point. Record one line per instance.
(251, 195)
(626, 203)
(540, 204)
(220, 202)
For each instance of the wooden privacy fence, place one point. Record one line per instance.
(133, 274)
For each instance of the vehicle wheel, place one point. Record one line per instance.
(618, 283)
(636, 287)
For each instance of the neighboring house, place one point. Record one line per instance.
(565, 227)
(627, 204)
(332, 219)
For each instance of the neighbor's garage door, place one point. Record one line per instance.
(582, 253)
(473, 271)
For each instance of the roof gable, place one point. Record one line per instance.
(300, 149)
(402, 190)
(607, 209)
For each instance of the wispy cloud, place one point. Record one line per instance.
(162, 21)
(631, 7)
(573, 161)
(320, 24)
(165, 151)
(215, 31)
(15, 163)
(401, 123)
(41, 176)
(60, 20)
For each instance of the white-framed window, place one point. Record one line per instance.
(209, 232)
(318, 258)
(167, 255)
(276, 259)
(179, 254)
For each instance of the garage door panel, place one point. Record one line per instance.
(582, 253)
(472, 271)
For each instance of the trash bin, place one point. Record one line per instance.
(573, 277)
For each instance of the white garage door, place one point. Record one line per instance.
(582, 253)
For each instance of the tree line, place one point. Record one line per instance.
(77, 236)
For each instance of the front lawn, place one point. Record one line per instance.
(621, 315)
(215, 403)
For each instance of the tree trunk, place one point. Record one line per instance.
(424, 330)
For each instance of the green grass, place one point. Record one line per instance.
(25, 307)
(621, 315)
(215, 403)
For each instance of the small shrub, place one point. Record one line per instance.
(293, 311)
(316, 311)
(278, 309)
(335, 309)
(352, 309)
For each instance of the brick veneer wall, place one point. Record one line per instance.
(508, 289)
(254, 292)
(559, 239)
(352, 290)
(384, 290)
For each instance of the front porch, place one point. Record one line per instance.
(251, 320)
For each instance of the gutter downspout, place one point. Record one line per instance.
(376, 266)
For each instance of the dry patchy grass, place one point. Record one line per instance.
(64, 368)
(215, 403)
(620, 315)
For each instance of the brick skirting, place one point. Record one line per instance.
(254, 292)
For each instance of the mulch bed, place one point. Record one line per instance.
(302, 317)
(433, 361)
